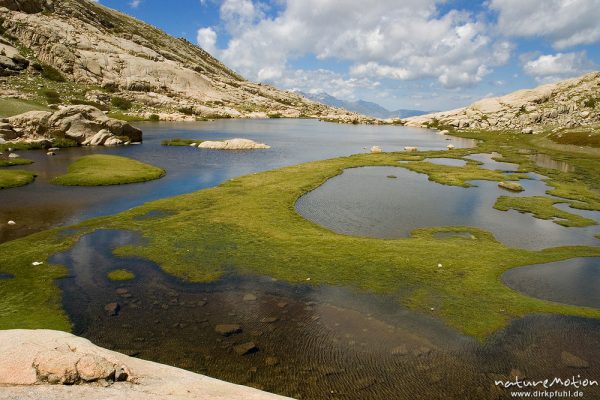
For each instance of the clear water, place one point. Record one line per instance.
(42, 205)
(575, 281)
(314, 342)
(364, 202)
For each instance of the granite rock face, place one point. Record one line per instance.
(45, 364)
(85, 125)
(566, 104)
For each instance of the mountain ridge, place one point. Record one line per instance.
(113, 54)
(364, 107)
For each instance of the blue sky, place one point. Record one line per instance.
(415, 54)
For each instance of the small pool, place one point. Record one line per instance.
(4, 275)
(575, 281)
(488, 162)
(365, 202)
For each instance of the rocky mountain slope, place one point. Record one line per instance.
(78, 51)
(573, 103)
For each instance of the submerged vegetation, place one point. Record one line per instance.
(101, 170)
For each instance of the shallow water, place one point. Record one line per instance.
(41, 205)
(575, 281)
(314, 342)
(545, 161)
(4, 275)
(364, 202)
(489, 163)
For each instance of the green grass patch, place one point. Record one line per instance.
(543, 208)
(180, 142)
(250, 224)
(10, 107)
(577, 138)
(10, 178)
(9, 162)
(457, 176)
(121, 103)
(120, 275)
(101, 170)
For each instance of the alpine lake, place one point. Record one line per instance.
(340, 275)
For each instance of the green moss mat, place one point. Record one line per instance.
(10, 178)
(250, 224)
(14, 161)
(543, 208)
(10, 107)
(180, 142)
(101, 169)
(120, 275)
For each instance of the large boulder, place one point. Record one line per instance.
(84, 124)
(233, 144)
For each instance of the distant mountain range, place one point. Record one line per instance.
(361, 106)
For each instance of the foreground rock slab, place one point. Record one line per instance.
(46, 364)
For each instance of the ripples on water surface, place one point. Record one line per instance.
(313, 342)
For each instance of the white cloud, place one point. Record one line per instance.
(555, 67)
(207, 39)
(134, 3)
(322, 80)
(565, 23)
(388, 39)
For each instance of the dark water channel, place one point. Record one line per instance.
(311, 342)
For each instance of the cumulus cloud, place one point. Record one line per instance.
(386, 39)
(565, 23)
(134, 3)
(554, 67)
(207, 39)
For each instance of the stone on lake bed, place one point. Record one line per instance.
(245, 348)
(512, 186)
(249, 297)
(112, 309)
(11, 222)
(228, 329)
(13, 155)
(572, 361)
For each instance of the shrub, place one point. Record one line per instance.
(52, 96)
(121, 103)
(52, 73)
(154, 117)
(186, 110)
(591, 103)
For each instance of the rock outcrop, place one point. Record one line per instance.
(170, 77)
(11, 62)
(566, 104)
(44, 364)
(85, 125)
(233, 144)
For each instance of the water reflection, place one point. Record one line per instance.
(545, 161)
(488, 162)
(363, 202)
(313, 342)
(574, 281)
(42, 205)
